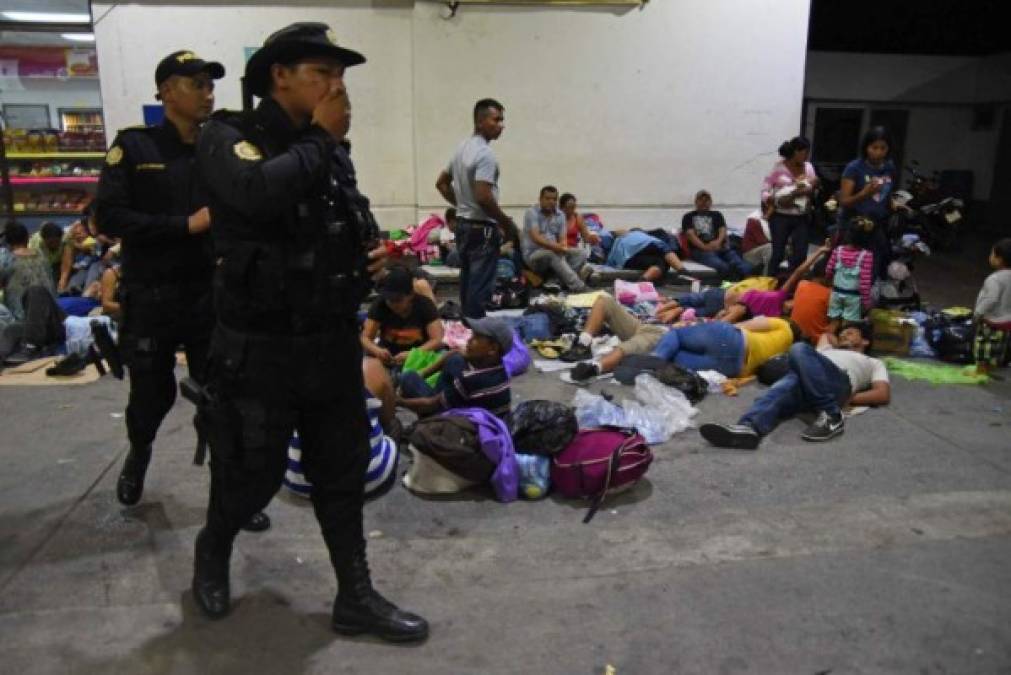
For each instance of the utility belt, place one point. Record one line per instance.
(271, 290)
(161, 292)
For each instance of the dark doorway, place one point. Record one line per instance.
(999, 205)
(836, 137)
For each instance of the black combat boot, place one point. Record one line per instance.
(360, 609)
(130, 485)
(210, 576)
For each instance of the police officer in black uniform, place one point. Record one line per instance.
(296, 247)
(149, 197)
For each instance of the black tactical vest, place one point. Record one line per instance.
(307, 273)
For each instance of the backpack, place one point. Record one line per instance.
(599, 462)
(542, 427)
(452, 441)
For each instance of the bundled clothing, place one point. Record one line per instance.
(497, 445)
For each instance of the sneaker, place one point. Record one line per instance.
(577, 352)
(737, 436)
(585, 371)
(551, 288)
(585, 272)
(826, 426)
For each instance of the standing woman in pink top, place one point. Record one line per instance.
(789, 189)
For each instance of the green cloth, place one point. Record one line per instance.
(418, 359)
(398, 235)
(935, 373)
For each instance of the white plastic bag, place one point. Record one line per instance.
(659, 413)
(667, 403)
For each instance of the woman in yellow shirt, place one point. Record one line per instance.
(736, 350)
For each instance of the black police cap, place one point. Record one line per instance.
(186, 63)
(291, 43)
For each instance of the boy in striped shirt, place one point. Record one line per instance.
(474, 379)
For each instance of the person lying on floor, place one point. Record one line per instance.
(401, 319)
(824, 380)
(637, 337)
(384, 430)
(735, 350)
(640, 251)
(545, 245)
(738, 306)
(706, 231)
(475, 379)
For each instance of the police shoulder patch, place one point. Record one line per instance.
(247, 151)
(114, 156)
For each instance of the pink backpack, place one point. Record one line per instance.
(599, 462)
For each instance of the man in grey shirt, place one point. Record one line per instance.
(544, 242)
(470, 183)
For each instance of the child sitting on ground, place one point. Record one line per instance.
(851, 269)
(474, 379)
(993, 311)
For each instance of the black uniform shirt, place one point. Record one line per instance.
(146, 194)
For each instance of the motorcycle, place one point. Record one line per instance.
(939, 215)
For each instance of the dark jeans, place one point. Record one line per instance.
(706, 346)
(478, 243)
(41, 327)
(412, 385)
(707, 303)
(787, 228)
(724, 262)
(813, 384)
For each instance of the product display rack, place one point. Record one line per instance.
(48, 184)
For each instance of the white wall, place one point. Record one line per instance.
(69, 93)
(632, 110)
(938, 91)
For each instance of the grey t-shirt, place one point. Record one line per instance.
(860, 368)
(473, 161)
(551, 227)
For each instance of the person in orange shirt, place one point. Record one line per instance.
(809, 306)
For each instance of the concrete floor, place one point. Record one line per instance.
(884, 551)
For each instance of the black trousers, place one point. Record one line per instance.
(41, 327)
(788, 228)
(157, 320)
(266, 387)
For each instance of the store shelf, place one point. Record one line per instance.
(55, 155)
(43, 180)
(41, 214)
